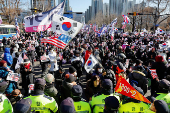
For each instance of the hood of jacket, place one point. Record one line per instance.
(159, 58)
(7, 50)
(138, 75)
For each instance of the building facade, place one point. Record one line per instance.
(43, 4)
(67, 6)
(97, 6)
(119, 7)
(106, 9)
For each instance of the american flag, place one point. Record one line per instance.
(59, 42)
(0, 20)
(17, 27)
(114, 22)
(126, 19)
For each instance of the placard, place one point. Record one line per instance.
(13, 77)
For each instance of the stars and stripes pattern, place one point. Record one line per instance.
(17, 28)
(126, 19)
(114, 22)
(0, 20)
(60, 41)
(124, 25)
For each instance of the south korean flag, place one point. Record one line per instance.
(90, 63)
(66, 26)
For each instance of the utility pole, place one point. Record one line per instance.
(155, 19)
(141, 16)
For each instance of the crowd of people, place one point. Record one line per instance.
(58, 90)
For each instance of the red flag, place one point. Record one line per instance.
(118, 71)
(153, 73)
(124, 88)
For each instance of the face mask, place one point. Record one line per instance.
(100, 70)
(75, 73)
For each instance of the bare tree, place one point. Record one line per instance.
(161, 7)
(43, 5)
(10, 9)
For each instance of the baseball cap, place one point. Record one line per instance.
(111, 103)
(107, 83)
(77, 91)
(40, 81)
(161, 106)
(23, 106)
(67, 106)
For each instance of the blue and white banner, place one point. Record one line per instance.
(42, 21)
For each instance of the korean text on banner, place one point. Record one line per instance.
(66, 26)
(42, 21)
(13, 77)
(90, 63)
(124, 88)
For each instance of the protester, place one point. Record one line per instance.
(4, 71)
(120, 61)
(93, 87)
(8, 57)
(50, 90)
(26, 70)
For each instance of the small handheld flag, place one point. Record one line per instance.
(90, 63)
(153, 73)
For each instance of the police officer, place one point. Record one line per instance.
(134, 106)
(111, 104)
(158, 106)
(163, 89)
(41, 102)
(23, 106)
(98, 101)
(79, 103)
(67, 106)
(77, 62)
(5, 105)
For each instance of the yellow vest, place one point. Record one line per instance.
(82, 107)
(43, 104)
(5, 105)
(133, 107)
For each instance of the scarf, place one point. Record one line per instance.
(27, 66)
